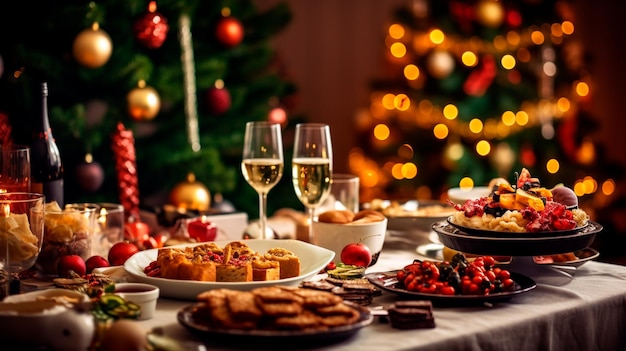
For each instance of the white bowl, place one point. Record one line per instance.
(144, 295)
(335, 236)
(459, 195)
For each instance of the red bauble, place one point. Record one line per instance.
(218, 100)
(90, 176)
(151, 29)
(229, 31)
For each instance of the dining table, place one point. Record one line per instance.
(583, 308)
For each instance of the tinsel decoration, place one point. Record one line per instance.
(480, 79)
(151, 28)
(189, 79)
(5, 129)
(123, 146)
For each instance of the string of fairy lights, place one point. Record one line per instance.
(433, 54)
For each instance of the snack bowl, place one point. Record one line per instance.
(335, 236)
(142, 294)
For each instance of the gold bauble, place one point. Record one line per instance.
(190, 195)
(490, 13)
(144, 102)
(92, 47)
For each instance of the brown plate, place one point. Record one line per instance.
(496, 245)
(522, 284)
(275, 339)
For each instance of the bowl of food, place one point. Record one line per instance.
(412, 215)
(335, 229)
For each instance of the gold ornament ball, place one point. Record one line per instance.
(190, 195)
(490, 13)
(92, 47)
(144, 103)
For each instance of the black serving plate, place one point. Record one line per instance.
(523, 284)
(274, 339)
(498, 244)
(501, 234)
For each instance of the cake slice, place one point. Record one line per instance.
(264, 269)
(289, 263)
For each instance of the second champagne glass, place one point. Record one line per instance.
(312, 166)
(262, 164)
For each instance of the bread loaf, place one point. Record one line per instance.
(336, 216)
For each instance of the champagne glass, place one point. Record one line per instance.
(312, 166)
(262, 164)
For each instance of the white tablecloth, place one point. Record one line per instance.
(587, 312)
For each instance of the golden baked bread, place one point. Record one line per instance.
(336, 216)
(368, 216)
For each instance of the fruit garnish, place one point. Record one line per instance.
(346, 271)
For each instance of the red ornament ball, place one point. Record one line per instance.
(151, 29)
(218, 100)
(89, 176)
(229, 31)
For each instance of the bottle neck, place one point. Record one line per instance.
(42, 125)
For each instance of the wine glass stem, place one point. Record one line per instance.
(263, 215)
(311, 211)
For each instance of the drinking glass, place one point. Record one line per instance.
(21, 231)
(312, 166)
(15, 168)
(262, 164)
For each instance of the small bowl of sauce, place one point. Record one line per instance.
(144, 295)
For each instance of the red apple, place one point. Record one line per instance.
(120, 252)
(71, 263)
(96, 262)
(357, 254)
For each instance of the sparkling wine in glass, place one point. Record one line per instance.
(262, 164)
(312, 166)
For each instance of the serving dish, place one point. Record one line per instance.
(414, 215)
(274, 339)
(312, 260)
(582, 256)
(490, 233)
(523, 284)
(500, 244)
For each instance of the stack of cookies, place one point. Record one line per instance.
(273, 308)
(411, 314)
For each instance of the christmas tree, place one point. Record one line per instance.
(474, 90)
(184, 76)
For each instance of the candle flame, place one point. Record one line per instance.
(6, 210)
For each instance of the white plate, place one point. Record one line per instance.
(312, 260)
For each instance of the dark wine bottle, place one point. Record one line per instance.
(45, 158)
